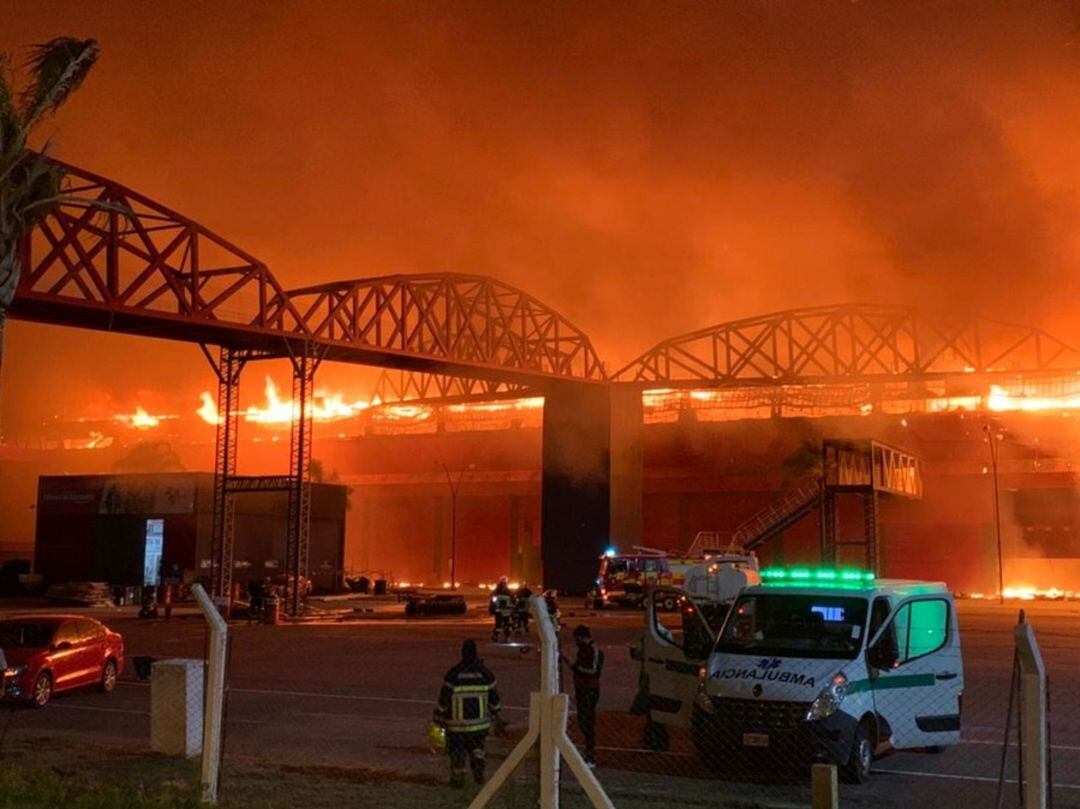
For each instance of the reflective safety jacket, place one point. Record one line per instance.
(502, 604)
(468, 700)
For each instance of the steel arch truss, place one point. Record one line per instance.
(435, 323)
(847, 343)
(130, 264)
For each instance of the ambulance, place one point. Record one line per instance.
(809, 665)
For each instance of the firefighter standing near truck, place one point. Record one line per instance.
(468, 709)
(502, 608)
(586, 667)
(521, 608)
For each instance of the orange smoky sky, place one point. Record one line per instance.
(644, 168)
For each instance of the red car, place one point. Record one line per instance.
(47, 654)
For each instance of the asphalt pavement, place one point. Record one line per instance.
(359, 694)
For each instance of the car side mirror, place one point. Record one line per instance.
(61, 646)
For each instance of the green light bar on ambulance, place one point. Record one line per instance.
(816, 577)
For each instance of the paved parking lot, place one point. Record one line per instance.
(360, 694)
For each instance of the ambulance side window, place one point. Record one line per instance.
(922, 627)
(668, 624)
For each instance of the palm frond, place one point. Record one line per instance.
(58, 68)
(12, 134)
(7, 95)
(29, 187)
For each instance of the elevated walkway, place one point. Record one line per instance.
(866, 469)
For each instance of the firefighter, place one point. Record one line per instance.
(468, 709)
(502, 608)
(521, 608)
(586, 667)
(552, 603)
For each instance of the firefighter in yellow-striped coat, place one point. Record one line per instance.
(468, 709)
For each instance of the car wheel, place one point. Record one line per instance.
(670, 604)
(42, 691)
(108, 677)
(856, 770)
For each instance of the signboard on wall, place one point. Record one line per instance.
(150, 495)
(135, 494)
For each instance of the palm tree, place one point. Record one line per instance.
(30, 184)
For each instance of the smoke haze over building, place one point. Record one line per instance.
(645, 168)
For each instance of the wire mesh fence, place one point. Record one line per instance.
(343, 703)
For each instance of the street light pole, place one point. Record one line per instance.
(997, 512)
(454, 486)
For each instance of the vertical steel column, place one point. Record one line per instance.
(227, 368)
(870, 532)
(829, 519)
(298, 534)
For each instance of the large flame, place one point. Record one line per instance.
(276, 409)
(1060, 394)
(1000, 400)
(208, 412)
(140, 419)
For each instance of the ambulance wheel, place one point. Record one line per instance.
(856, 770)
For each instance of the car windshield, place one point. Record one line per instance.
(788, 625)
(25, 634)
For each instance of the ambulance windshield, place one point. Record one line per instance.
(782, 625)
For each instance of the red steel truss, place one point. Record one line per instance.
(845, 344)
(433, 323)
(140, 268)
(405, 386)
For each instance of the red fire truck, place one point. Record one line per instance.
(624, 579)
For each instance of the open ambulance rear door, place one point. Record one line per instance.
(676, 646)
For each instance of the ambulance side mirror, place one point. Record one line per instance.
(697, 648)
(883, 655)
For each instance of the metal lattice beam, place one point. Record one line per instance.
(140, 268)
(298, 530)
(227, 368)
(436, 323)
(406, 386)
(845, 344)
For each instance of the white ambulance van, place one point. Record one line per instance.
(810, 665)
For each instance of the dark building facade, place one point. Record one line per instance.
(126, 529)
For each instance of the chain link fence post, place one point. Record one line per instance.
(215, 695)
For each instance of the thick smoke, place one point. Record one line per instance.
(645, 168)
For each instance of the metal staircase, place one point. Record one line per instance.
(778, 516)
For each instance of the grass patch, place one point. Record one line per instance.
(44, 789)
(43, 772)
